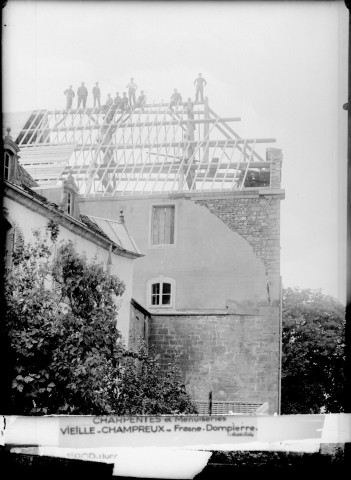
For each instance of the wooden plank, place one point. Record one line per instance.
(211, 143)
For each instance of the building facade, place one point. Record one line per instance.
(203, 205)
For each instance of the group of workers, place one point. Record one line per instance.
(125, 102)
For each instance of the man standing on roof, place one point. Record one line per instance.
(82, 95)
(96, 95)
(69, 97)
(200, 82)
(176, 98)
(132, 88)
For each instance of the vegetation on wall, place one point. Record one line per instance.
(67, 353)
(313, 361)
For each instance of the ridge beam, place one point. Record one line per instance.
(140, 124)
(211, 143)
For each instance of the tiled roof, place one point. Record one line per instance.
(112, 231)
(25, 178)
(92, 226)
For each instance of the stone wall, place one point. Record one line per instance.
(139, 326)
(256, 218)
(237, 357)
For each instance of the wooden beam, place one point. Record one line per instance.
(233, 133)
(132, 124)
(159, 166)
(212, 143)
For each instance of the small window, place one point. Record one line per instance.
(162, 228)
(69, 203)
(161, 292)
(7, 166)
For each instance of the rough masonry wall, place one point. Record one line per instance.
(234, 356)
(254, 217)
(138, 327)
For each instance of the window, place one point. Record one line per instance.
(162, 226)
(69, 203)
(160, 292)
(7, 166)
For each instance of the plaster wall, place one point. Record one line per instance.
(212, 265)
(29, 220)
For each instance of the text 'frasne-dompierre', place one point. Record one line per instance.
(163, 424)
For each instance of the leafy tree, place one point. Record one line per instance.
(153, 387)
(68, 355)
(313, 352)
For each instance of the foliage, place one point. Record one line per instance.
(313, 352)
(68, 355)
(153, 387)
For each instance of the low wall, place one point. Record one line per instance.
(236, 357)
(139, 326)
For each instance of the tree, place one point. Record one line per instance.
(68, 354)
(153, 387)
(313, 352)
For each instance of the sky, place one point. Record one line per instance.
(281, 66)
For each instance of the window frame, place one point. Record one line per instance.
(7, 168)
(69, 203)
(151, 222)
(161, 280)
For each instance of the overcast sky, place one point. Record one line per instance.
(280, 66)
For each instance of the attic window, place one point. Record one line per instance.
(69, 203)
(7, 166)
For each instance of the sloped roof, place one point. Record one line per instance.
(117, 232)
(25, 178)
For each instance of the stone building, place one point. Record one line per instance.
(203, 205)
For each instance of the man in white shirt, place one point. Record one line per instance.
(132, 88)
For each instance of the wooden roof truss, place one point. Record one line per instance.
(144, 151)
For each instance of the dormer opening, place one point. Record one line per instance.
(69, 203)
(7, 166)
(11, 168)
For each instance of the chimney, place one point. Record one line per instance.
(275, 157)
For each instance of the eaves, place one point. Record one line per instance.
(50, 210)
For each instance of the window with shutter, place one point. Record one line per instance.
(162, 228)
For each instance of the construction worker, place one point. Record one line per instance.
(82, 95)
(141, 100)
(132, 88)
(117, 100)
(176, 98)
(200, 82)
(189, 108)
(96, 95)
(69, 97)
(124, 102)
